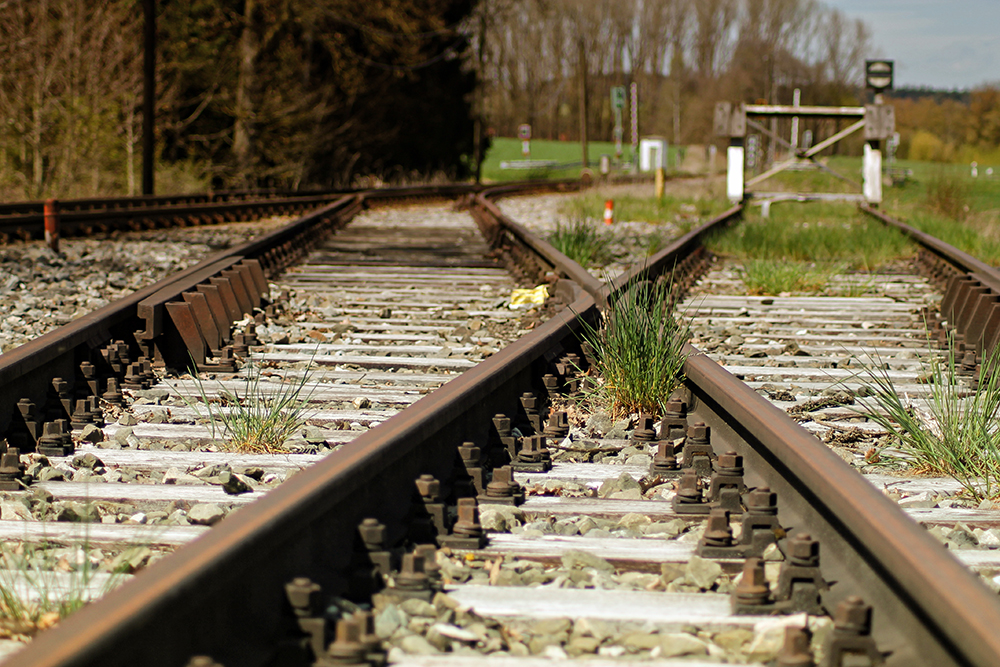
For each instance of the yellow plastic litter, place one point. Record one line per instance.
(523, 298)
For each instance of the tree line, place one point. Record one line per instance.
(250, 93)
(552, 63)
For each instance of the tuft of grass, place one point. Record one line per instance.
(583, 242)
(956, 433)
(38, 588)
(639, 349)
(948, 194)
(813, 232)
(262, 418)
(772, 277)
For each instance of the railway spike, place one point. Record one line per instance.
(557, 426)
(644, 431)
(673, 425)
(203, 661)
(753, 594)
(689, 498)
(760, 526)
(664, 462)
(305, 597)
(347, 648)
(851, 636)
(697, 452)
(502, 489)
(726, 488)
(11, 470)
(795, 651)
(717, 542)
(800, 582)
(467, 533)
(471, 484)
(533, 456)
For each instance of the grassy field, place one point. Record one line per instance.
(941, 199)
(562, 152)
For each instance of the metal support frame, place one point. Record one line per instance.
(877, 120)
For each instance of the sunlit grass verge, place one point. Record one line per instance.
(262, 418)
(772, 277)
(39, 588)
(583, 242)
(639, 350)
(813, 232)
(956, 433)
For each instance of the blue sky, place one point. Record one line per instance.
(937, 43)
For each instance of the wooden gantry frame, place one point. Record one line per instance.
(732, 120)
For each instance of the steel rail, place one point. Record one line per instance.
(963, 261)
(173, 610)
(930, 609)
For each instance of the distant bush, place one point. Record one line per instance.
(927, 147)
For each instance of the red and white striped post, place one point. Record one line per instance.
(51, 225)
(609, 212)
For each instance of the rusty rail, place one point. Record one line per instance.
(930, 609)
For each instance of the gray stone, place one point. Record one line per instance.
(600, 422)
(582, 645)
(91, 433)
(205, 514)
(388, 621)
(639, 460)
(414, 607)
(961, 537)
(493, 521)
(670, 528)
(50, 475)
(702, 572)
(676, 644)
(123, 434)
(70, 510)
(585, 525)
(127, 419)
(87, 460)
(733, 640)
(634, 520)
(14, 510)
(454, 632)
(640, 641)
(582, 559)
(627, 494)
(417, 645)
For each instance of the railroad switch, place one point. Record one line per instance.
(502, 489)
(467, 533)
(11, 470)
(689, 498)
(851, 637)
(726, 488)
(533, 456)
(697, 452)
(471, 484)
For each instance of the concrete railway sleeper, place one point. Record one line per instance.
(485, 523)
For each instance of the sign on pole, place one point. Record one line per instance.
(524, 133)
(618, 97)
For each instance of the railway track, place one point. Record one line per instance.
(625, 568)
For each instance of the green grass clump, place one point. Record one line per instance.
(813, 232)
(584, 242)
(639, 348)
(956, 434)
(948, 195)
(772, 277)
(37, 591)
(261, 419)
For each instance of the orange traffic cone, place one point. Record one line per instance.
(609, 212)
